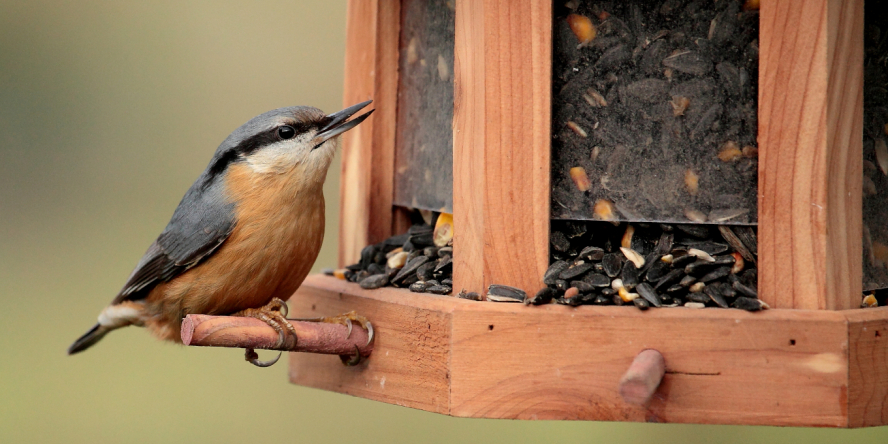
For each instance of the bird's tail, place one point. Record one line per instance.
(89, 338)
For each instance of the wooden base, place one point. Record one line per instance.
(504, 360)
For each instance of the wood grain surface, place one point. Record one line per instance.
(501, 143)
(810, 157)
(503, 360)
(371, 72)
(868, 378)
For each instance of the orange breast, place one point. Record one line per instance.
(279, 231)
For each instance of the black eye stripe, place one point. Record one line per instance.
(251, 144)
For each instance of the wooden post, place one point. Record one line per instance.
(501, 126)
(371, 72)
(810, 136)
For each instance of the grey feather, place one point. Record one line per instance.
(205, 218)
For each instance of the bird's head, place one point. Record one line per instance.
(282, 140)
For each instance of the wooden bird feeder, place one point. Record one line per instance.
(813, 359)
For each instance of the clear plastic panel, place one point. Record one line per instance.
(875, 151)
(424, 148)
(654, 111)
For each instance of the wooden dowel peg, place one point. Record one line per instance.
(640, 382)
(241, 332)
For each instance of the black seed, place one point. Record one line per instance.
(687, 281)
(602, 300)
(430, 252)
(419, 287)
(444, 264)
(608, 292)
(748, 304)
(670, 278)
(642, 304)
(501, 293)
(395, 242)
(410, 268)
(748, 237)
(544, 296)
(439, 289)
(445, 251)
(649, 294)
(424, 272)
(698, 297)
(612, 263)
(598, 280)
(554, 270)
(713, 248)
(728, 291)
(749, 278)
(559, 241)
(408, 281)
(375, 268)
(448, 282)
(649, 261)
(419, 228)
(422, 240)
(379, 258)
(574, 271)
(561, 285)
(573, 229)
(665, 243)
(700, 231)
(375, 281)
(700, 267)
(676, 290)
(681, 261)
(629, 275)
(718, 273)
(657, 271)
(472, 296)
(354, 267)
(714, 293)
(367, 256)
(582, 286)
(745, 290)
(689, 62)
(591, 254)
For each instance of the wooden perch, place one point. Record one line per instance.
(240, 332)
(643, 377)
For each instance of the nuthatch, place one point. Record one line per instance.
(245, 235)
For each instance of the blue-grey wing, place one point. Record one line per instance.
(200, 224)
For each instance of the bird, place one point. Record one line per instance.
(244, 236)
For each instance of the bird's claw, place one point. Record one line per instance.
(351, 361)
(275, 315)
(253, 358)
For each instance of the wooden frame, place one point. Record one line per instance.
(499, 360)
(811, 361)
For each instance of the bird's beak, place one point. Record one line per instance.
(338, 123)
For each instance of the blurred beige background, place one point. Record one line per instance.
(108, 111)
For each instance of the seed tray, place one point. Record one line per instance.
(813, 359)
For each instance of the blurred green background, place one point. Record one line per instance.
(108, 111)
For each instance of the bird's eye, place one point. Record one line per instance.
(286, 132)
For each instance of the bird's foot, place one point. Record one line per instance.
(347, 319)
(274, 314)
